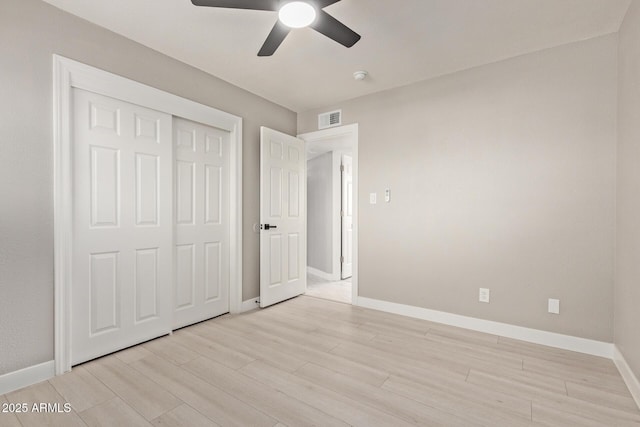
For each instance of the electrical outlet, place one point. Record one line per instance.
(554, 306)
(484, 295)
(373, 198)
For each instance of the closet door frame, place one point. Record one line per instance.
(69, 74)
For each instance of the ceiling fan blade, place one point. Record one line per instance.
(334, 29)
(274, 39)
(324, 3)
(272, 5)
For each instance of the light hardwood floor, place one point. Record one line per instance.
(339, 291)
(315, 362)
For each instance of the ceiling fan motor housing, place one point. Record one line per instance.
(316, 18)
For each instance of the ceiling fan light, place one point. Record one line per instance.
(297, 14)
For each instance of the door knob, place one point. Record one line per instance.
(268, 226)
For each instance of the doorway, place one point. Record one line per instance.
(332, 182)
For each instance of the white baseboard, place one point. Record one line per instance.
(627, 374)
(551, 339)
(322, 274)
(26, 377)
(250, 304)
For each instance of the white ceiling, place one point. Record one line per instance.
(403, 41)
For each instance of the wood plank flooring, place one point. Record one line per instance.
(335, 291)
(312, 362)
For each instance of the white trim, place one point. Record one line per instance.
(322, 274)
(627, 374)
(61, 212)
(69, 74)
(250, 304)
(352, 132)
(336, 219)
(551, 339)
(338, 243)
(25, 377)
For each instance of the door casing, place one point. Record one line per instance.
(69, 74)
(346, 215)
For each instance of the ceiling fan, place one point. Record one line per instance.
(292, 14)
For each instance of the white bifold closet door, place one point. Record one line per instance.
(122, 225)
(202, 222)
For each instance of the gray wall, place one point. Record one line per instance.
(502, 176)
(31, 31)
(320, 213)
(627, 289)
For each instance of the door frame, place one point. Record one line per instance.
(69, 74)
(342, 209)
(351, 132)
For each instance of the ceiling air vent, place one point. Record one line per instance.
(330, 119)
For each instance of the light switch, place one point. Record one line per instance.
(387, 195)
(373, 198)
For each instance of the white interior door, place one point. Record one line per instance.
(346, 259)
(122, 225)
(202, 222)
(283, 242)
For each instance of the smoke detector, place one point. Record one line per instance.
(360, 75)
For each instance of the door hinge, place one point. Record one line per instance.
(341, 168)
(341, 213)
(341, 260)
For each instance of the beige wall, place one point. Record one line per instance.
(627, 289)
(502, 176)
(320, 213)
(31, 31)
